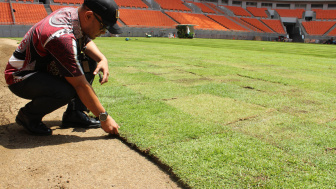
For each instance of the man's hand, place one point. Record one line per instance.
(110, 126)
(93, 52)
(103, 67)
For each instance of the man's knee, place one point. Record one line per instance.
(66, 94)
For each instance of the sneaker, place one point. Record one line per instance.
(34, 127)
(79, 119)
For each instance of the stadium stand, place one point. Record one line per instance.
(203, 7)
(25, 1)
(5, 14)
(213, 6)
(257, 12)
(317, 27)
(252, 28)
(256, 23)
(131, 3)
(332, 32)
(238, 11)
(298, 13)
(56, 7)
(226, 22)
(325, 14)
(142, 18)
(173, 5)
(211, 18)
(201, 21)
(26, 14)
(69, 1)
(274, 25)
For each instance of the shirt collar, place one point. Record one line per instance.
(76, 25)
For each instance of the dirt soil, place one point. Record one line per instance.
(70, 158)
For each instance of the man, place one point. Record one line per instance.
(46, 67)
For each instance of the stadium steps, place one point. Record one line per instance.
(226, 11)
(245, 24)
(332, 31)
(238, 11)
(227, 23)
(190, 7)
(169, 16)
(266, 25)
(214, 7)
(147, 3)
(252, 16)
(258, 24)
(205, 9)
(48, 9)
(217, 22)
(258, 12)
(193, 7)
(210, 7)
(239, 22)
(275, 25)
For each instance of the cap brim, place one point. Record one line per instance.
(114, 29)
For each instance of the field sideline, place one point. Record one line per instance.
(227, 113)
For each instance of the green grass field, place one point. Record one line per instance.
(227, 113)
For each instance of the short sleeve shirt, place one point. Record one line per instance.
(52, 45)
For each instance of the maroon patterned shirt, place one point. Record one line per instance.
(52, 45)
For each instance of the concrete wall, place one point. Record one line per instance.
(13, 30)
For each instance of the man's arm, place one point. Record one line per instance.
(93, 52)
(91, 101)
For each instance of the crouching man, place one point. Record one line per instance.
(49, 67)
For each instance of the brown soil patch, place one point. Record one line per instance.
(70, 158)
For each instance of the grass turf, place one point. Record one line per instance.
(227, 113)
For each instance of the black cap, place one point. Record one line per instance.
(108, 11)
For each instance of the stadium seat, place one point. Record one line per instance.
(297, 13)
(173, 5)
(27, 14)
(325, 14)
(245, 24)
(317, 27)
(203, 7)
(226, 22)
(332, 32)
(215, 8)
(25, 1)
(69, 1)
(5, 14)
(56, 7)
(238, 11)
(145, 18)
(256, 23)
(201, 21)
(131, 3)
(275, 25)
(257, 12)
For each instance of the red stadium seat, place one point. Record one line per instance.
(26, 14)
(201, 21)
(5, 14)
(297, 13)
(257, 12)
(145, 18)
(238, 11)
(317, 27)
